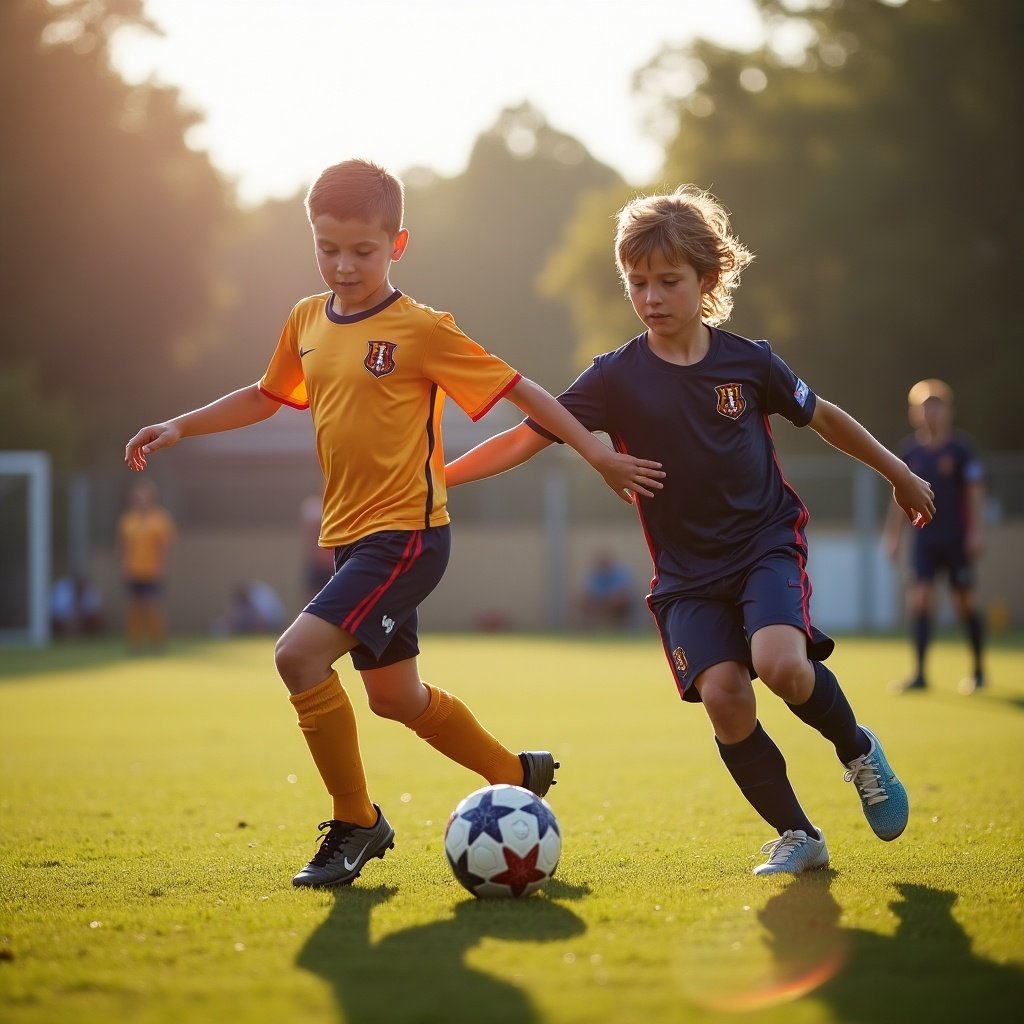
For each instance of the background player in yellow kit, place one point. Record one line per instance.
(374, 366)
(145, 533)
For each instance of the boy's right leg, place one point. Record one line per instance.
(759, 769)
(358, 831)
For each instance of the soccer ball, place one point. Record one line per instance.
(502, 841)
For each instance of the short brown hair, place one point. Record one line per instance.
(358, 190)
(687, 226)
(931, 387)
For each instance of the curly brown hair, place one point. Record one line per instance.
(688, 226)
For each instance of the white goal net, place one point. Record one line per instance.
(24, 547)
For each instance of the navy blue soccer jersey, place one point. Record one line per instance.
(950, 467)
(725, 502)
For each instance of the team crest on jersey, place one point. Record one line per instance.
(380, 357)
(679, 659)
(731, 402)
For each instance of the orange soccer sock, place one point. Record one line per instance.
(449, 726)
(136, 625)
(156, 626)
(329, 727)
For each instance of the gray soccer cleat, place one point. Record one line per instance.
(538, 770)
(344, 849)
(793, 853)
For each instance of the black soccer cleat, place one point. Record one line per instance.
(344, 850)
(538, 771)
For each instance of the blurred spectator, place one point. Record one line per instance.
(254, 608)
(318, 562)
(145, 533)
(76, 607)
(609, 593)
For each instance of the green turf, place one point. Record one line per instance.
(153, 810)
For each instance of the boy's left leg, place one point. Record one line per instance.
(967, 610)
(397, 692)
(776, 614)
(814, 695)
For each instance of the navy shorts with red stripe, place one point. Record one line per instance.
(379, 581)
(714, 623)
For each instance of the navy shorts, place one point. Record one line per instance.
(144, 588)
(378, 583)
(948, 555)
(714, 623)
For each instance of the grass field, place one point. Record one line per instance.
(153, 810)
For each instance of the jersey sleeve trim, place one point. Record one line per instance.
(280, 398)
(543, 431)
(498, 396)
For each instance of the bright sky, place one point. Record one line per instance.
(287, 87)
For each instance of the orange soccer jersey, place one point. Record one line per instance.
(375, 383)
(145, 537)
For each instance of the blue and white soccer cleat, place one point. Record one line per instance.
(883, 797)
(793, 853)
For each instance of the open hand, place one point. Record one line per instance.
(916, 498)
(149, 439)
(627, 475)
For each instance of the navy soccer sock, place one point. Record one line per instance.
(759, 769)
(976, 636)
(922, 634)
(828, 711)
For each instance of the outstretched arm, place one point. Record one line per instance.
(842, 431)
(238, 409)
(496, 455)
(624, 474)
(892, 532)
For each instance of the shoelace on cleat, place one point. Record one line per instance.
(779, 849)
(335, 835)
(867, 777)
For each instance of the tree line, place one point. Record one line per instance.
(872, 176)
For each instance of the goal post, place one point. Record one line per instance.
(25, 489)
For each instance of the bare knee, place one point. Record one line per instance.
(390, 706)
(289, 659)
(728, 699)
(786, 674)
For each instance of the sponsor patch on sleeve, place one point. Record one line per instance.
(801, 393)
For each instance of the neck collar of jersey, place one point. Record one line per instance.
(354, 318)
(708, 359)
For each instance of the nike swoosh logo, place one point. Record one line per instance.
(305, 351)
(349, 865)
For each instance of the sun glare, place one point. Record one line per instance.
(288, 86)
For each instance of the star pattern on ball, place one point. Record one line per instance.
(519, 871)
(484, 818)
(545, 817)
(463, 874)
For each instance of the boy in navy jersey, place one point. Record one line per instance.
(953, 540)
(726, 532)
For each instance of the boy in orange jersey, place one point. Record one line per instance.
(145, 533)
(373, 367)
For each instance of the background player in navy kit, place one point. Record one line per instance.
(953, 540)
(730, 593)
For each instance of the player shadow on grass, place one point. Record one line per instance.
(926, 970)
(421, 973)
